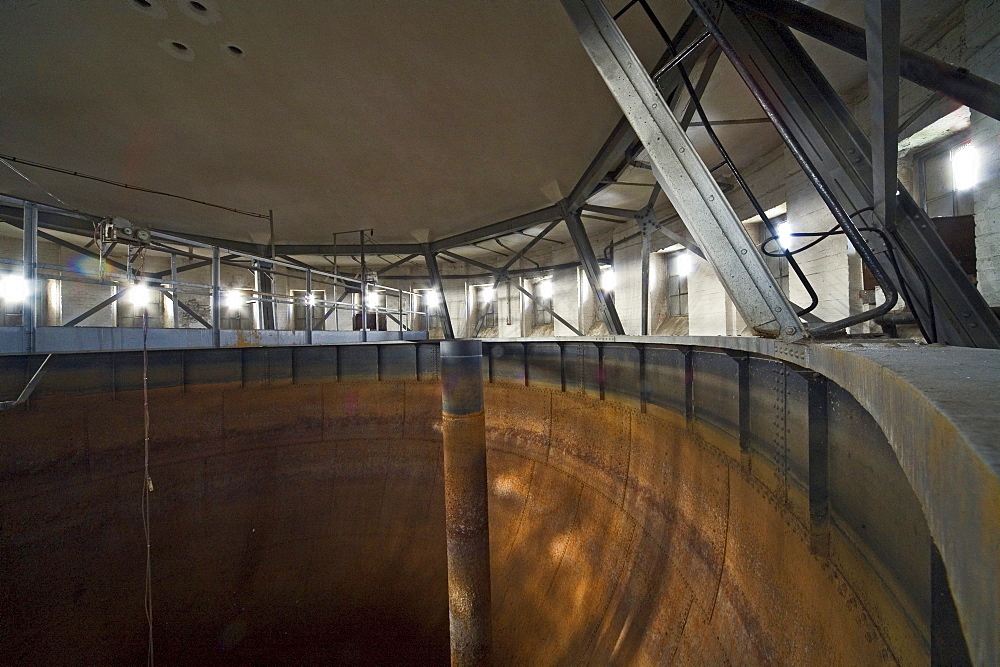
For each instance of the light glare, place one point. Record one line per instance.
(13, 288)
(372, 300)
(432, 299)
(545, 289)
(233, 300)
(138, 295)
(684, 264)
(965, 167)
(487, 293)
(784, 235)
(608, 279)
(310, 299)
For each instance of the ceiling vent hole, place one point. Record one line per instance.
(235, 50)
(145, 4)
(197, 6)
(179, 46)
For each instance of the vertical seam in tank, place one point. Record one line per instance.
(725, 543)
(618, 582)
(572, 524)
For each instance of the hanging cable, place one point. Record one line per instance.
(37, 185)
(929, 333)
(119, 184)
(147, 481)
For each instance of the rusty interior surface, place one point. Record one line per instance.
(305, 524)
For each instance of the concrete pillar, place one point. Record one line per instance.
(466, 508)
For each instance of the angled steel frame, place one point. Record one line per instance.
(822, 132)
(684, 176)
(588, 260)
(435, 275)
(882, 31)
(954, 82)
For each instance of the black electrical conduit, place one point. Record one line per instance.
(843, 219)
(890, 252)
(813, 297)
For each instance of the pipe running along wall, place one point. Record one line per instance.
(298, 511)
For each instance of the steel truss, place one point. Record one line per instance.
(819, 129)
(823, 135)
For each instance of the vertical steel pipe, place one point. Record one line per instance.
(466, 508)
(31, 303)
(216, 297)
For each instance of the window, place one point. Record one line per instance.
(430, 303)
(10, 313)
(946, 176)
(542, 308)
(678, 267)
(778, 266)
(486, 306)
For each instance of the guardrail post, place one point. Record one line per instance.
(216, 298)
(310, 300)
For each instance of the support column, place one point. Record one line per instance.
(466, 508)
(585, 252)
(216, 297)
(29, 307)
(882, 31)
(310, 300)
(436, 283)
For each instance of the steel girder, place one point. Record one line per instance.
(435, 276)
(605, 305)
(957, 83)
(796, 92)
(684, 176)
(882, 29)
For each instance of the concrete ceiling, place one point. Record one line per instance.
(417, 119)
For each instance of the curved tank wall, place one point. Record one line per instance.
(298, 514)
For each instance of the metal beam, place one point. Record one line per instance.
(955, 82)
(29, 268)
(183, 306)
(216, 297)
(605, 306)
(96, 309)
(502, 228)
(882, 30)
(436, 284)
(609, 210)
(644, 326)
(623, 137)
(547, 309)
(458, 257)
(392, 266)
(531, 244)
(711, 60)
(786, 81)
(684, 176)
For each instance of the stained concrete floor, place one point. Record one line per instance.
(304, 525)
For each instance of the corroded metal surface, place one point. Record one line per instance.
(309, 500)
